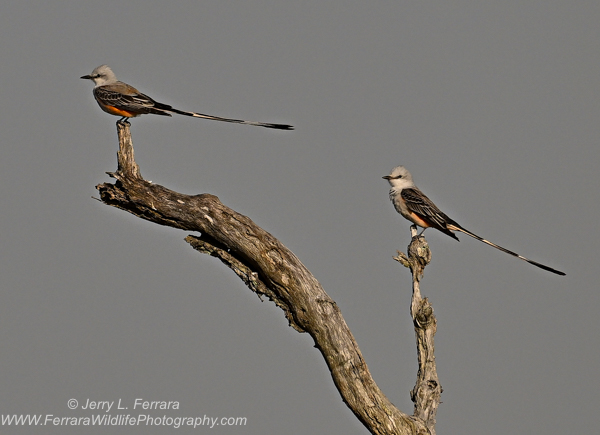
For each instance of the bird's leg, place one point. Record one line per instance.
(414, 231)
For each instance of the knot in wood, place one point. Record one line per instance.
(424, 315)
(419, 251)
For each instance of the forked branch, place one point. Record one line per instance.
(269, 269)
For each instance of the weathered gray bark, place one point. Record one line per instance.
(427, 392)
(268, 268)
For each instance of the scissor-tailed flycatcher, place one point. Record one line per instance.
(121, 99)
(411, 203)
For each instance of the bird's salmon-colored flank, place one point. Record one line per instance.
(420, 221)
(119, 112)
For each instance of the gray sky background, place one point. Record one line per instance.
(493, 107)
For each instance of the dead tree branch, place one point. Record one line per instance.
(427, 392)
(268, 268)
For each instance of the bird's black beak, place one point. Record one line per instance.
(86, 77)
(385, 177)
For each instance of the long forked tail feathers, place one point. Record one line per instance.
(456, 227)
(217, 118)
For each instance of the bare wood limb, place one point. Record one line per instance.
(426, 395)
(125, 158)
(268, 268)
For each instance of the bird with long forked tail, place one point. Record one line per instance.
(413, 205)
(121, 99)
